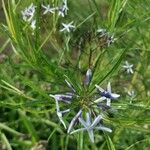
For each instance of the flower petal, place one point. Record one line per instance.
(88, 119)
(91, 135)
(83, 123)
(109, 87)
(78, 130)
(100, 99)
(114, 95)
(103, 128)
(73, 121)
(96, 121)
(99, 88)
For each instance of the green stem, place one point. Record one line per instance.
(80, 141)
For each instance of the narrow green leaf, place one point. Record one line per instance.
(109, 142)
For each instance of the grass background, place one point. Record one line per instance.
(32, 66)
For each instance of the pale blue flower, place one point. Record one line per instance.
(28, 13)
(67, 27)
(128, 67)
(60, 113)
(106, 94)
(89, 126)
(48, 9)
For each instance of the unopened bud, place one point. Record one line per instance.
(88, 76)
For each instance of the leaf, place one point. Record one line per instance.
(109, 142)
(8, 129)
(106, 69)
(29, 126)
(5, 141)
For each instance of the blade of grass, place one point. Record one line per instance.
(5, 141)
(109, 142)
(8, 129)
(29, 126)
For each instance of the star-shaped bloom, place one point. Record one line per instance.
(131, 94)
(67, 98)
(67, 27)
(62, 10)
(128, 67)
(90, 126)
(106, 94)
(60, 113)
(48, 9)
(28, 13)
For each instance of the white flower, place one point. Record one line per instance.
(67, 27)
(28, 13)
(62, 10)
(48, 9)
(128, 67)
(106, 94)
(60, 113)
(102, 32)
(90, 126)
(131, 94)
(33, 24)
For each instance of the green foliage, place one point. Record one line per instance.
(35, 63)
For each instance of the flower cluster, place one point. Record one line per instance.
(28, 15)
(129, 69)
(29, 12)
(105, 38)
(86, 117)
(62, 10)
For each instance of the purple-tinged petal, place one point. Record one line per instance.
(62, 97)
(99, 88)
(83, 123)
(96, 121)
(91, 135)
(88, 119)
(73, 121)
